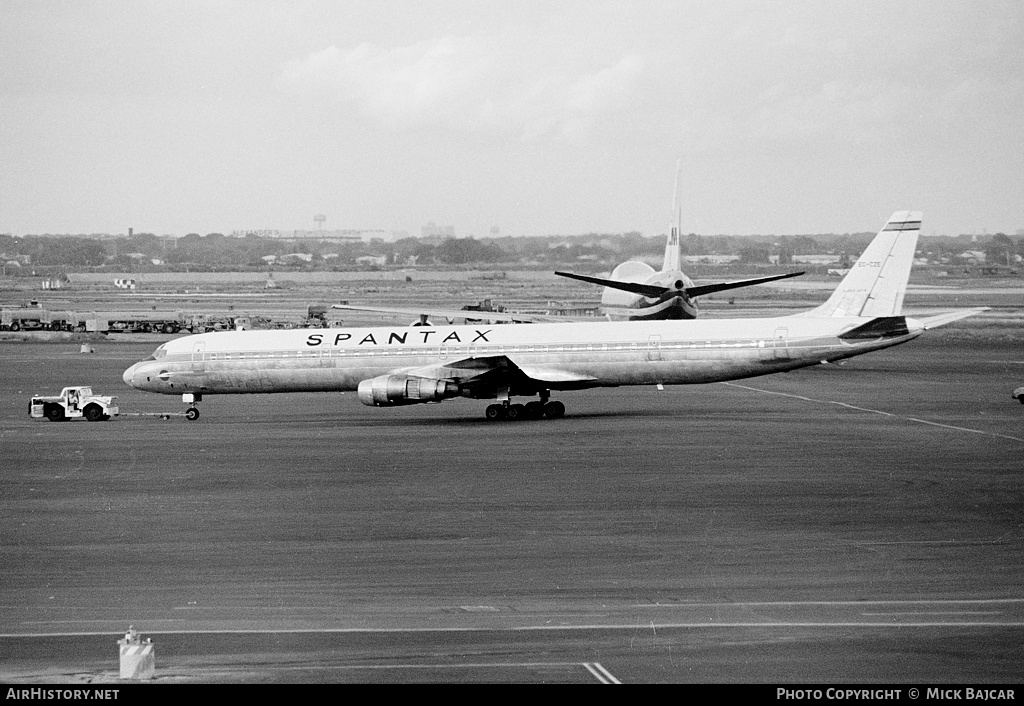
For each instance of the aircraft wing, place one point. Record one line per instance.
(949, 317)
(723, 286)
(496, 372)
(450, 314)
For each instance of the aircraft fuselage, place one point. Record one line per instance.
(563, 356)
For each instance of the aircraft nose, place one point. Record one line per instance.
(129, 376)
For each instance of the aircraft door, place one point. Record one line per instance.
(199, 357)
(654, 348)
(782, 344)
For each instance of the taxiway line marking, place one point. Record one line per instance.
(926, 612)
(874, 411)
(465, 665)
(921, 601)
(677, 604)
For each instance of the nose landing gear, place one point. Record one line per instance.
(192, 413)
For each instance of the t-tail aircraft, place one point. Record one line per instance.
(636, 292)
(391, 366)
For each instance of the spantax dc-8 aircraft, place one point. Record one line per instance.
(391, 366)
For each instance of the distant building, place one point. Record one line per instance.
(257, 233)
(350, 235)
(372, 260)
(815, 259)
(340, 236)
(974, 257)
(709, 259)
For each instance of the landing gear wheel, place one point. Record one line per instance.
(191, 414)
(516, 412)
(534, 410)
(495, 412)
(554, 410)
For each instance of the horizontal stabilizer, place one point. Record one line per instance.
(654, 291)
(702, 289)
(651, 291)
(882, 327)
(949, 317)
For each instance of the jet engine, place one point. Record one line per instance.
(391, 390)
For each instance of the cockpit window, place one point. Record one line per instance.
(159, 353)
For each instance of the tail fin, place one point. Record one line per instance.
(876, 284)
(672, 258)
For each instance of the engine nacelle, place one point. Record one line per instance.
(391, 390)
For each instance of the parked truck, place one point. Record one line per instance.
(72, 403)
(22, 319)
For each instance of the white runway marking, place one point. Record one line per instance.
(602, 674)
(874, 411)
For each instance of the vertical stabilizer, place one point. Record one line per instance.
(672, 259)
(877, 282)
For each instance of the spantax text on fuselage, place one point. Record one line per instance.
(394, 338)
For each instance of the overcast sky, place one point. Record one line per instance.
(535, 117)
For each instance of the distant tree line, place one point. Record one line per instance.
(146, 252)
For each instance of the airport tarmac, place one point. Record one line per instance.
(855, 523)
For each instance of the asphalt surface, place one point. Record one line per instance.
(859, 523)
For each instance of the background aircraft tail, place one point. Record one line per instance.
(877, 282)
(673, 261)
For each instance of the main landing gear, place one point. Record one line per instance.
(542, 409)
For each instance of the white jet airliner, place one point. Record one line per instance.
(391, 366)
(636, 292)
